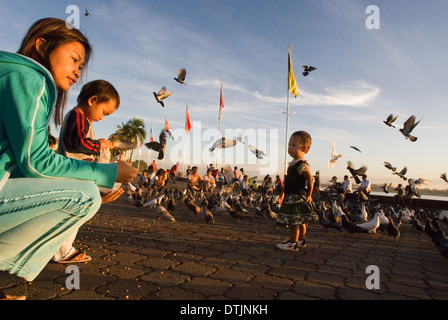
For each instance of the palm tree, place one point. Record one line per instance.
(133, 131)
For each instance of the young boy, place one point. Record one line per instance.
(77, 140)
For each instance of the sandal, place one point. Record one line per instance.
(76, 257)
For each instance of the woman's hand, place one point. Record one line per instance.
(125, 172)
(111, 196)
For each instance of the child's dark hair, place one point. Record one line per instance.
(55, 32)
(102, 89)
(304, 136)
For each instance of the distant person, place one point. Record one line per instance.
(364, 188)
(195, 181)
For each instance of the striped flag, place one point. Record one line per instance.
(187, 122)
(292, 84)
(221, 104)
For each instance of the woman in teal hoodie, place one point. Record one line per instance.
(43, 195)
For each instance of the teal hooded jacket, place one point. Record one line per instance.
(28, 96)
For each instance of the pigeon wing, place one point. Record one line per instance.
(124, 145)
(182, 74)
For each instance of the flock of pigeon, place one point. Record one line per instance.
(352, 218)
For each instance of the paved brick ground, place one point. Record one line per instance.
(137, 256)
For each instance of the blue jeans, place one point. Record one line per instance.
(37, 216)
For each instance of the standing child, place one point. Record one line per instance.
(297, 208)
(97, 99)
(44, 196)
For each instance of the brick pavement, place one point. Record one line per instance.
(137, 256)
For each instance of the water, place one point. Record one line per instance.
(424, 197)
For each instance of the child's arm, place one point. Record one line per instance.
(75, 135)
(309, 182)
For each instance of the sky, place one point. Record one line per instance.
(363, 75)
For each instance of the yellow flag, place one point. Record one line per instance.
(292, 84)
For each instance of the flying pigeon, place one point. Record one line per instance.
(390, 119)
(223, 143)
(258, 153)
(389, 166)
(158, 145)
(402, 173)
(443, 177)
(357, 149)
(307, 70)
(356, 172)
(408, 126)
(421, 181)
(386, 186)
(87, 13)
(162, 94)
(334, 155)
(181, 76)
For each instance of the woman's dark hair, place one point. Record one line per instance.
(55, 32)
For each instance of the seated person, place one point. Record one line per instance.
(160, 179)
(244, 187)
(195, 181)
(210, 183)
(364, 188)
(143, 180)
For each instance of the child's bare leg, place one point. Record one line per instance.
(293, 233)
(301, 234)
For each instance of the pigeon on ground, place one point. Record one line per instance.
(390, 119)
(162, 94)
(408, 126)
(164, 214)
(372, 225)
(307, 70)
(356, 172)
(389, 166)
(194, 208)
(392, 230)
(181, 76)
(334, 156)
(158, 146)
(402, 173)
(351, 226)
(206, 215)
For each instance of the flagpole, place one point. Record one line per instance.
(219, 126)
(286, 136)
(185, 142)
(292, 88)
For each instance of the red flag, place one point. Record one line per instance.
(221, 104)
(187, 122)
(168, 128)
